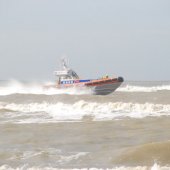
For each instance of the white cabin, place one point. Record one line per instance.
(66, 73)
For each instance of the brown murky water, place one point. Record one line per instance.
(129, 129)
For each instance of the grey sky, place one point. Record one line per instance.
(130, 38)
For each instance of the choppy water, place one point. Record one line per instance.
(71, 129)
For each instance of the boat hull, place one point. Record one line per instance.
(105, 89)
(105, 86)
(102, 86)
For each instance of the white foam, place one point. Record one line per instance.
(154, 167)
(65, 159)
(130, 88)
(16, 87)
(47, 112)
(59, 156)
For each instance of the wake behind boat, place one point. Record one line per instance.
(68, 78)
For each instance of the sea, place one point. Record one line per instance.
(48, 128)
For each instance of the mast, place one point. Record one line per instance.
(66, 72)
(64, 63)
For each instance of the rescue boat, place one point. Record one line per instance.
(67, 78)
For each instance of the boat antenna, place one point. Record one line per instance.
(64, 62)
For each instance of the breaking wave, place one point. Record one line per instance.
(154, 167)
(132, 88)
(44, 112)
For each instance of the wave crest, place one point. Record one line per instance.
(154, 167)
(146, 154)
(79, 110)
(132, 88)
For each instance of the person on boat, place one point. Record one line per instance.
(105, 77)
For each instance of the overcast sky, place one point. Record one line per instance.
(129, 38)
